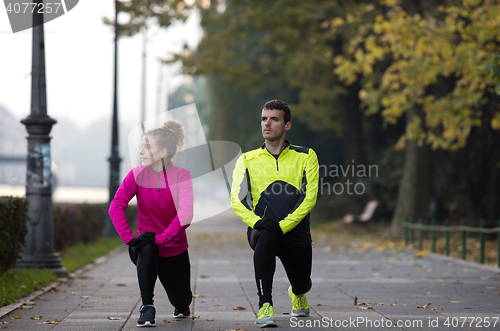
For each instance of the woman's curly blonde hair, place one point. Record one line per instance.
(169, 136)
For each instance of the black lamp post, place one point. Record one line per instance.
(114, 159)
(39, 241)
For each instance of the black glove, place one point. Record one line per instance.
(268, 224)
(143, 238)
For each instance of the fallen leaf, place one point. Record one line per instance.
(30, 303)
(56, 321)
(209, 319)
(428, 306)
(355, 300)
(114, 318)
(168, 321)
(360, 307)
(319, 305)
(76, 293)
(87, 306)
(493, 288)
(26, 307)
(17, 317)
(204, 276)
(421, 254)
(53, 289)
(83, 303)
(454, 301)
(239, 308)
(107, 297)
(85, 297)
(121, 284)
(37, 317)
(280, 293)
(497, 293)
(197, 296)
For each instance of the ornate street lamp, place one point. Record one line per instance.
(39, 243)
(114, 159)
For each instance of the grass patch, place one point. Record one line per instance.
(79, 255)
(15, 283)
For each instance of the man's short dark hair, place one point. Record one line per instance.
(279, 105)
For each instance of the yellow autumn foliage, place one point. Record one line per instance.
(458, 47)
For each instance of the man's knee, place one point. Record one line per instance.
(302, 288)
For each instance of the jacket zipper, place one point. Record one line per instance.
(159, 183)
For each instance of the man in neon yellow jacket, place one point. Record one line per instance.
(274, 188)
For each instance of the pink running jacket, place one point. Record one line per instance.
(165, 204)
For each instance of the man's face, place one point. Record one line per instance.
(273, 124)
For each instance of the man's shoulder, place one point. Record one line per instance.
(301, 149)
(252, 153)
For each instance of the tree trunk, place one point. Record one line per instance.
(352, 128)
(416, 185)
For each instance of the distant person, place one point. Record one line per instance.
(282, 181)
(165, 205)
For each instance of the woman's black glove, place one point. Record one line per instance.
(268, 224)
(143, 238)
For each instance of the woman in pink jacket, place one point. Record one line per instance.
(165, 205)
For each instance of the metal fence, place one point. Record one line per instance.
(410, 226)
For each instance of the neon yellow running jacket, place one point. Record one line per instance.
(282, 187)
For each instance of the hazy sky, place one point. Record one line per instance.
(79, 64)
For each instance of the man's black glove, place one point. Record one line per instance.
(143, 238)
(268, 224)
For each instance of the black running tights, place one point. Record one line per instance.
(297, 262)
(174, 273)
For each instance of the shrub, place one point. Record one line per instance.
(13, 217)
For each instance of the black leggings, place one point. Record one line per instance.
(297, 262)
(174, 273)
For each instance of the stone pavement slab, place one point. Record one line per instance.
(389, 288)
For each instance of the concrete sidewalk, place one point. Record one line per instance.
(390, 287)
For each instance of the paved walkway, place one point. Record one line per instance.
(389, 287)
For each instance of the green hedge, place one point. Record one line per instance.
(72, 223)
(13, 217)
(81, 222)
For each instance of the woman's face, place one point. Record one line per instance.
(150, 153)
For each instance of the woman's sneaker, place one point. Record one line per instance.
(147, 317)
(299, 304)
(178, 314)
(266, 316)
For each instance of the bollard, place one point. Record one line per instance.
(464, 241)
(433, 236)
(447, 236)
(420, 234)
(405, 230)
(411, 232)
(498, 241)
(482, 236)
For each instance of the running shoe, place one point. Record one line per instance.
(178, 314)
(299, 304)
(266, 316)
(147, 317)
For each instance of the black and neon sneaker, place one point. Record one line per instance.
(300, 307)
(266, 316)
(178, 314)
(147, 317)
